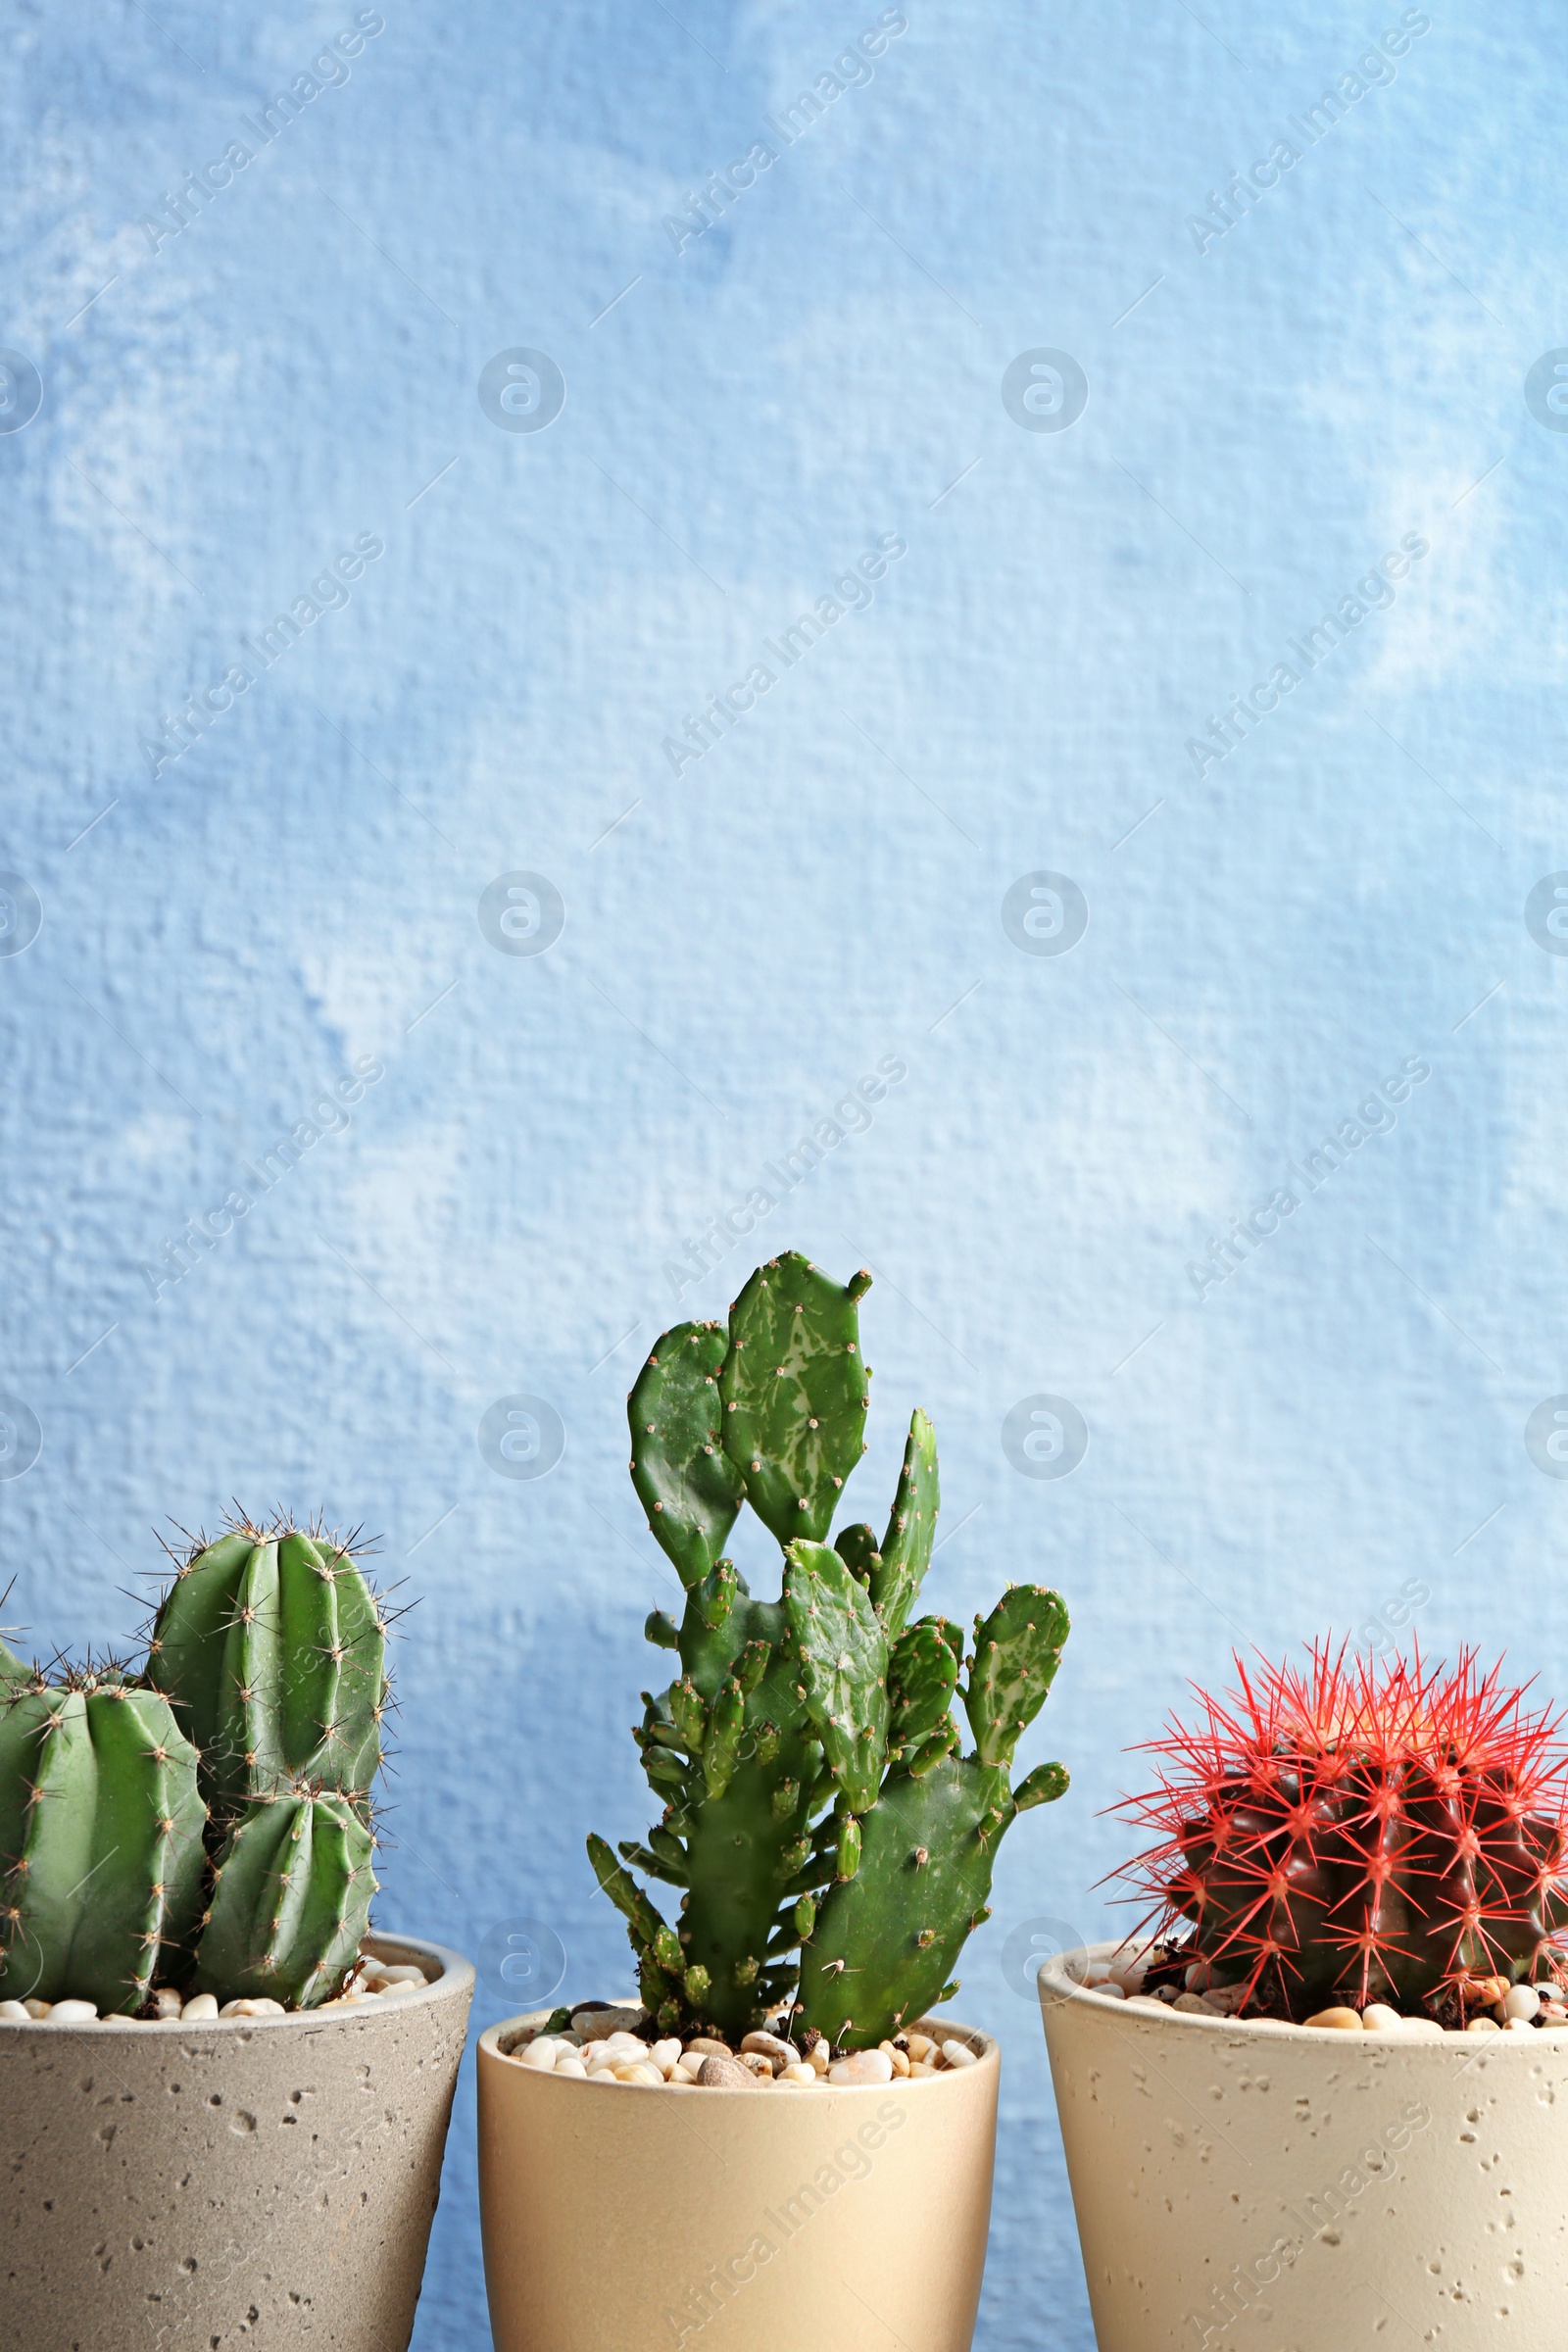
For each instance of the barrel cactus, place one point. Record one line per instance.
(815, 1797)
(205, 1823)
(1355, 1832)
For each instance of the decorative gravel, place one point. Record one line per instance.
(370, 1980)
(605, 2044)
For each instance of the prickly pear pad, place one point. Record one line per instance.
(796, 1391)
(825, 1699)
(684, 1479)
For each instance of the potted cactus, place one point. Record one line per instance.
(225, 2100)
(831, 1846)
(1317, 2091)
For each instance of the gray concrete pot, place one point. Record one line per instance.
(253, 2181)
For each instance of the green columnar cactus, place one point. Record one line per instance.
(290, 1901)
(101, 1824)
(240, 1761)
(828, 1697)
(271, 1650)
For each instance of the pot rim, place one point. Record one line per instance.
(988, 2054)
(457, 1978)
(1063, 1988)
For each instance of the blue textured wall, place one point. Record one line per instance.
(1274, 927)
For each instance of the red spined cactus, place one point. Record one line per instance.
(1354, 1832)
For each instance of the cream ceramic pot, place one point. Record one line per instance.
(1289, 2188)
(251, 2183)
(740, 2220)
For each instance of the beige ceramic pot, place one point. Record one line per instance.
(251, 2183)
(1289, 2188)
(743, 2220)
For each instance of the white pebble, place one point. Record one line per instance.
(257, 2006)
(400, 1990)
(1519, 2025)
(1483, 2024)
(73, 2013)
(1108, 1985)
(200, 2006)
(166, 2002)
(1523, 2001)
(1379, 2017)
(569, 2063)
(12, 2012)
(860, 2066)
(664, 2054)
(800, 2072)
(404, 1975)
(624, 2045)
(778, 2052)
(596, 2025)
(1143, 2000)
(1426, 2025)
(959, 2053)
(540, 2055)
(640, 2071)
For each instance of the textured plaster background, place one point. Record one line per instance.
(1270, 934)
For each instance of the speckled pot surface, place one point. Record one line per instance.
(639, 2220)
(1286, 2188)
(256, 2181)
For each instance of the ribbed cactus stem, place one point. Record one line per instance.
(101, 1826)
(290, 1901)
(272, 1653)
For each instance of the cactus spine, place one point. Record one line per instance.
(826, 1698)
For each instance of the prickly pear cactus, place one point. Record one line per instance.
(805, 1754)
(886, 1939)
(290, 1901)
(101, 1825)
(271, 1650)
